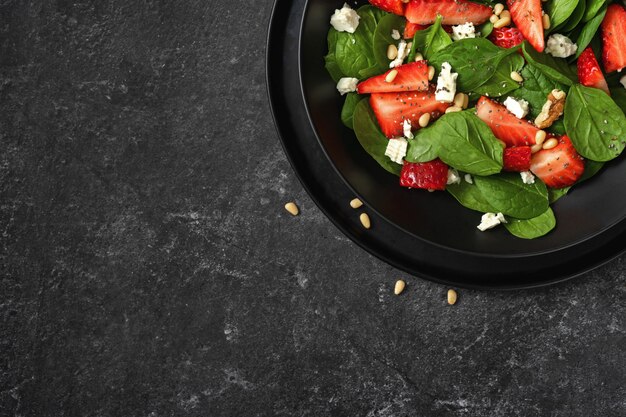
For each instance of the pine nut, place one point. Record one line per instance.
(536, 148)
(502, 22)
(356, 203)
(400, 285)
(365, 220)
(516, 76)
(459, 99)
(419, 57)
(452, 297)
(405, 1)
(424, 120)
(391, 76)
(392, 52)
(431, 72)
(453, 109)
(494, 18)
(292, 208)
(550, 144)
(546, 21)
(408, 47)
(540, 137)
(498, 9)
(505, 14)
(465, 101)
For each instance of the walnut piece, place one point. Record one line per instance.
(552, 110)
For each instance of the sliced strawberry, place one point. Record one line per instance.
(391, 109)
(558, 167)
(454, 12)
(526, 15)
(409, 77)
(431, 175)
(517, 159)
(589, 72)
(504, 125)
(391, 6)
(613, 39)
(506, 37)
(411, 28)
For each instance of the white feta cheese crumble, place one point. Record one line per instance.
(396, 149)
(446, 84)
(395, 34)
(527, 177)
(560, 46)
(402, 54)
(491, 220)
(623, 81)
(347, 85)
(453, 177)
(468, 179)
(345, 19)
(406, 126)
(518, 107)
(464, 31)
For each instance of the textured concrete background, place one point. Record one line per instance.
(148, 268)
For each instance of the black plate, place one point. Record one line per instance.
(427, 234)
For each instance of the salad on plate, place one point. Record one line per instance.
(504, 106)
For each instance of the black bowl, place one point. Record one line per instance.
(591, 221)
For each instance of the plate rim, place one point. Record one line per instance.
(278, 124)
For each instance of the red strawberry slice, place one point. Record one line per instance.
(411, 28)
(517, 159)
(410, 77)
(504, 125)
(391, 6)
(431, 175)
(391, 109)
(558, 167)
(526, 15)
(589, 72)
(613, 39)
(506, 37)
(454, 12)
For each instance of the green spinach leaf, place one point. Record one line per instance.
(475, 60)
(594, 123)
(383, 38)
(589, 31)
(592, 9)
(575, 18)
(330, 60)
(485, 29)
(332, 67)
(347, 111)
(535, 88)
(354, 51)
(462, 141)
(532, 228)
(508, 194)
(554, 68)
(469, 196)
(559, 11)
(424, 146)
(371, 138)
(429, 41)
(501, 83)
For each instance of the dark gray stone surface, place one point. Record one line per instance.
(148, 268)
